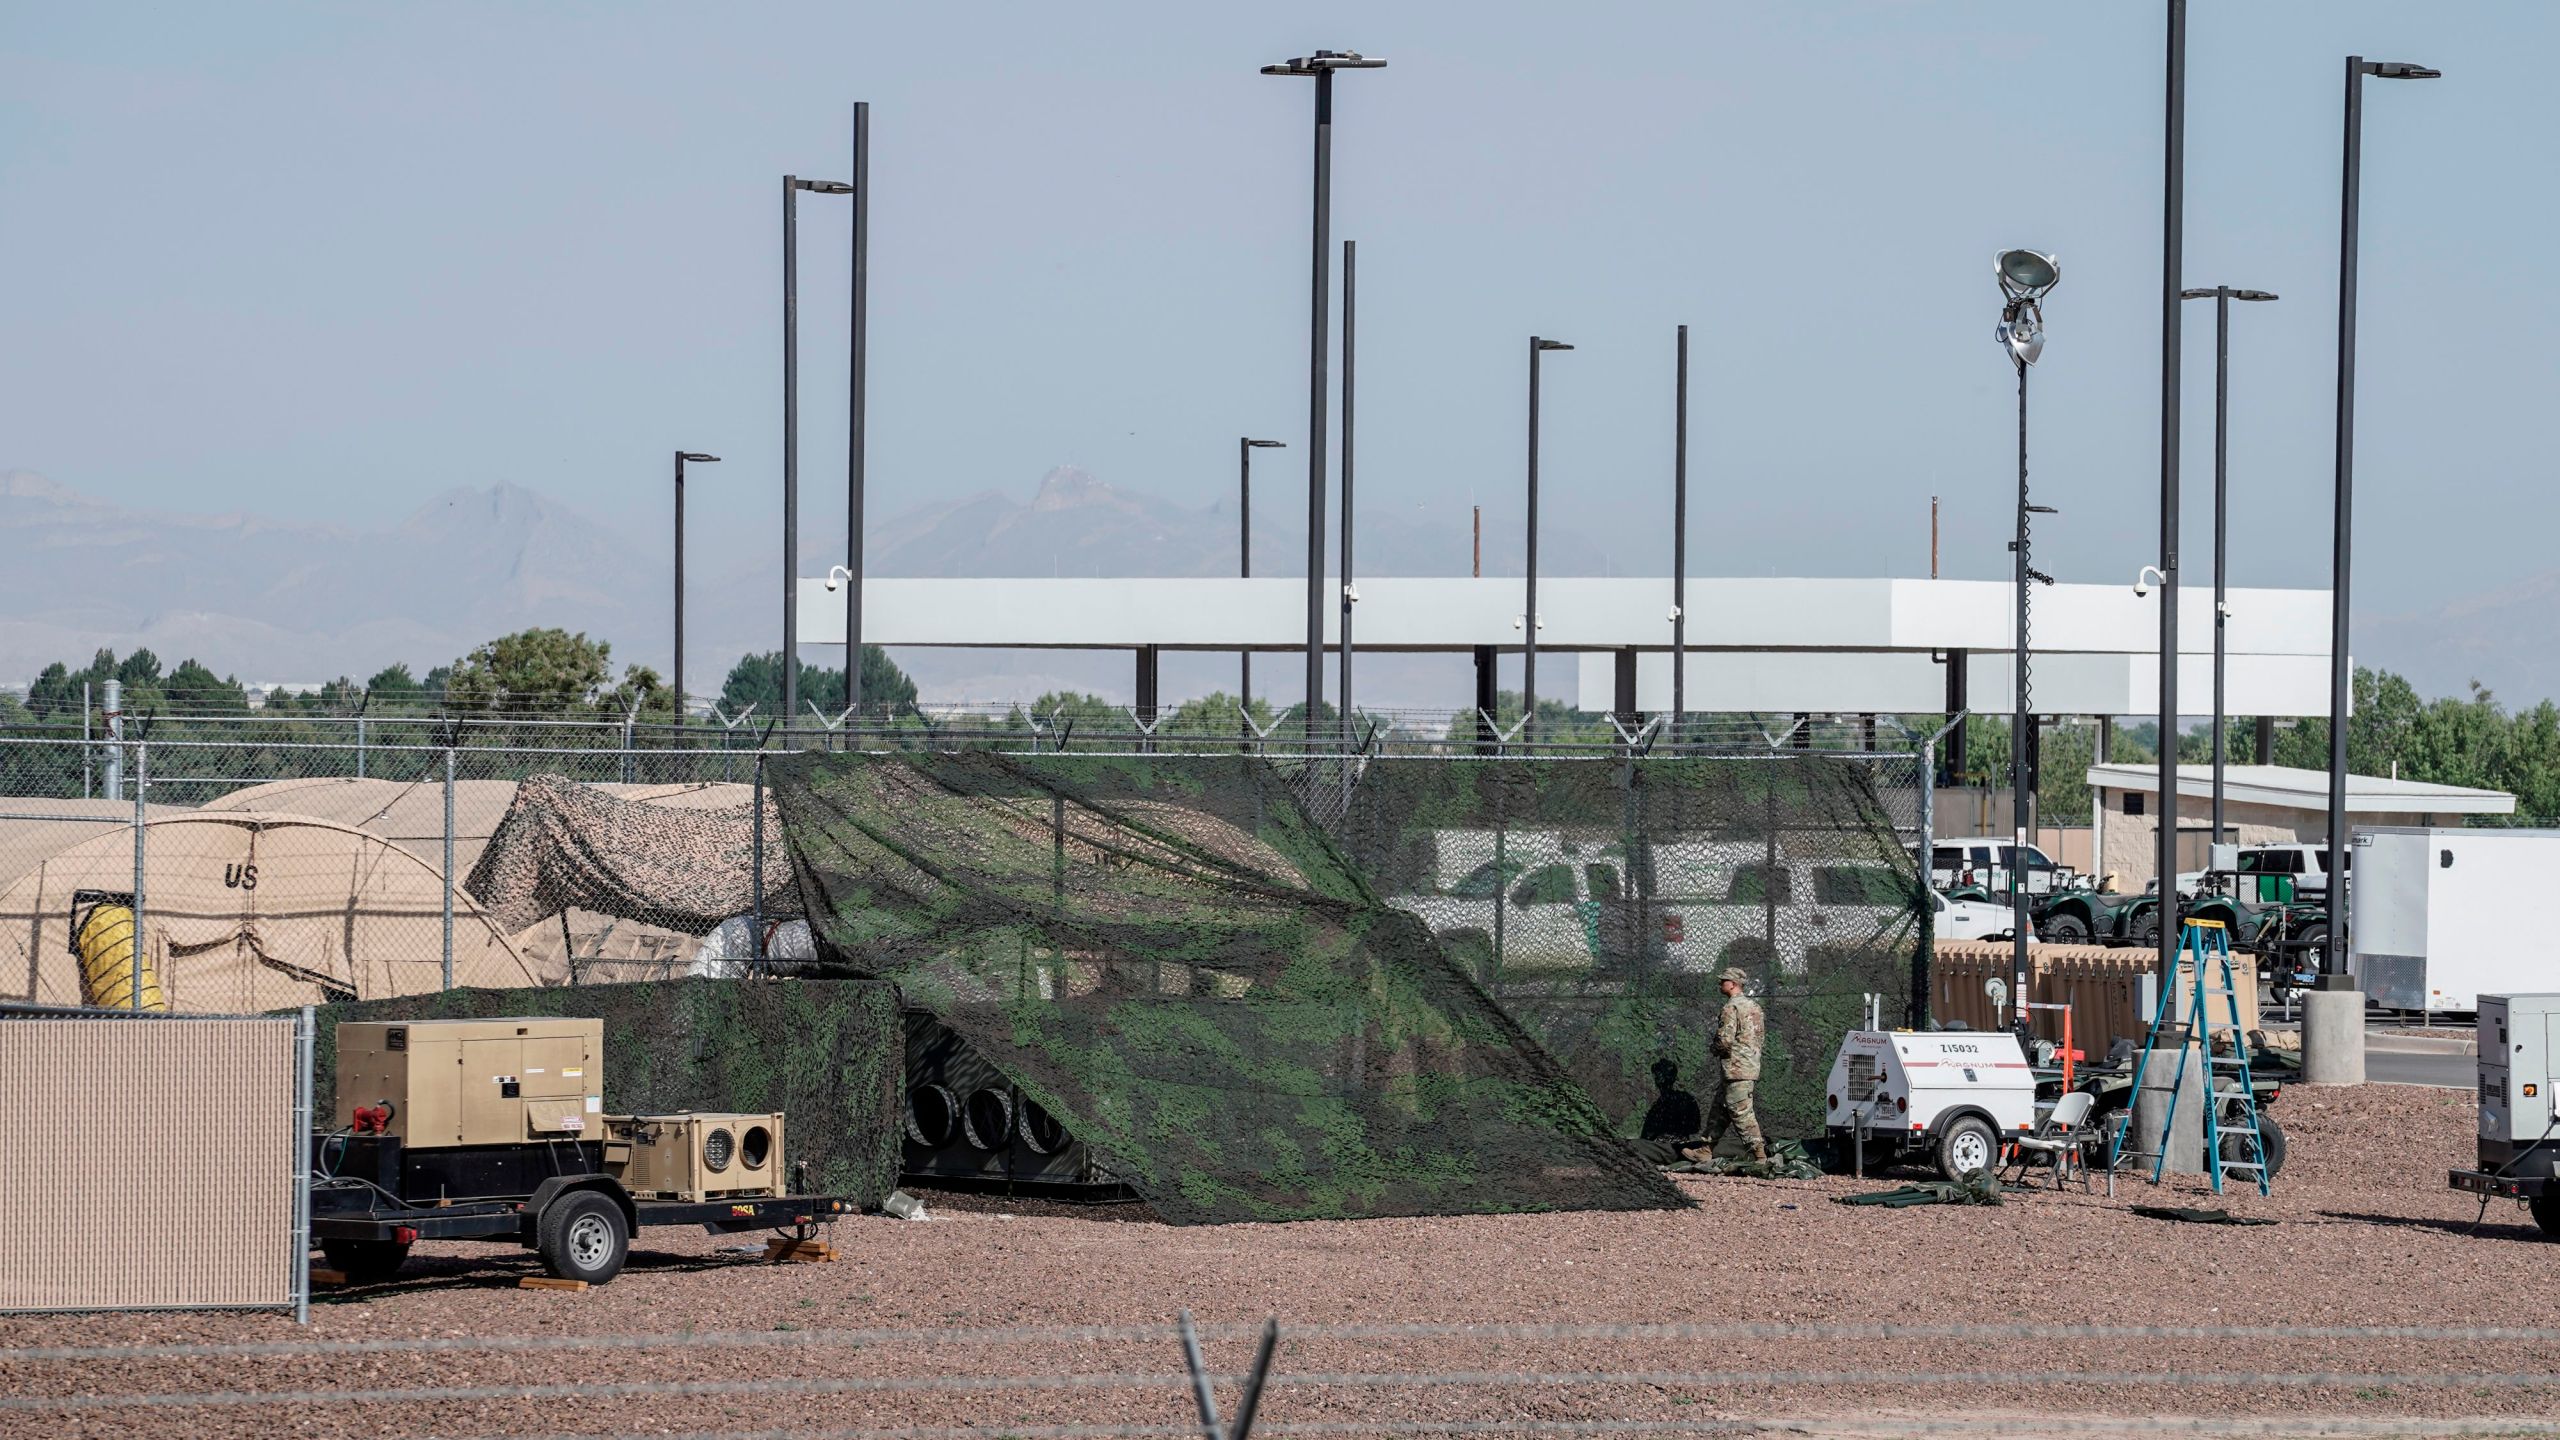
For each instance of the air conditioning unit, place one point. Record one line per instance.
(695, 1156)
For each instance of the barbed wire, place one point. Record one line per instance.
(1816, 1332)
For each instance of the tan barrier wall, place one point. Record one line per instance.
(156, 1164)
(2100, 984)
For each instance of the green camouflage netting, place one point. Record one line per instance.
(1596, 900)
(1169, 956)
(829, 1054)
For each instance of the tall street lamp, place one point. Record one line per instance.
(792, 185)
(2173, 231)
(2342, 534)
(857, 404)
(1350, 590)
(2026, 277)
(699, 459)
(1529, 621)
(2221, 296)
(1680, 538)
(1245, 446)
(1319, 67)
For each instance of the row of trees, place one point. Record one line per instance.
(2474, 740)
(540, 672)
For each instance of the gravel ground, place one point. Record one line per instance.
(2368, 1236)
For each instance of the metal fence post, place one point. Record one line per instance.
(755, 942)
(88, 758)
(300, 1155)
(115, 739)
(448, 866)
(141, 783)
(630, 719)
(1923, 961)
(359, 747)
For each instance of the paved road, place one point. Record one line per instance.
(2396, 1067)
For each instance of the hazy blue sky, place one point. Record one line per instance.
(329, 259)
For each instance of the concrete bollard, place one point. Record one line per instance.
(2333, 1037)
(2151, 1109)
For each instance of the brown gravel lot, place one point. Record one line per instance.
(2369, 1236)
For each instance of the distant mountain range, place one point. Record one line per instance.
(273, 600)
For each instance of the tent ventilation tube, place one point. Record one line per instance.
(102, 937)
(988, 1122)
(933, 1116)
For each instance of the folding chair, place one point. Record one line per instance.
(2063, 1139)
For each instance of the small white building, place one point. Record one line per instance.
(2261, 805)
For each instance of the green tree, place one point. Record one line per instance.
(757, 680)
(533, 672)
(193, 689)
(1216, 713)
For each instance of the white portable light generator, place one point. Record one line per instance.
(2519, 1106)
(1955, 1095)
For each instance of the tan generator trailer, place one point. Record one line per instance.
(495, 1130)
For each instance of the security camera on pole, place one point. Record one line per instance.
(2026, 277)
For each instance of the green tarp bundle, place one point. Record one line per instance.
(1171, 957)
(829, 1054)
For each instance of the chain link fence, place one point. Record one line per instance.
(1591, 880)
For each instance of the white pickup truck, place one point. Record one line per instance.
(1542, 901)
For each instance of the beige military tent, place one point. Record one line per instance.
(410, 814)
(244, 911)
(33, 829)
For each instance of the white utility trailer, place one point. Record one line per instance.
(2441, 917)
(1955, 1095)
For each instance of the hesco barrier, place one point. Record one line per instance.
(2102, 986)
(828, 1053)
(1251, 1018)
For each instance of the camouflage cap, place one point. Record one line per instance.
(1734, 974)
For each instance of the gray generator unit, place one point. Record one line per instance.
(966, 1122)
(2519, 1107)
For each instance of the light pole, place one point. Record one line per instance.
(2173, 230)
(856, 405)
(1350, 590)
(792, 185)
(2025, 277)
(2221, 296)
(1680, 540)
(2342, 534)
(1529, 621)
(1320, 67)
(1245, 446)
(698, 459)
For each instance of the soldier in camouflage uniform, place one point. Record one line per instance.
(1739, 1035)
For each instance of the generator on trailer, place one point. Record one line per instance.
(2519, 1106)
(495, 1130)
(1952, 1097)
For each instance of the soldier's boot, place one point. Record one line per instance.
(1759, 1152)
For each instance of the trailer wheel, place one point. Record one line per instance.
(2235, 1148)
(2315, 946)
(1967, 1145)
(2546, 1213)
(365, 1262)
(583, 1237)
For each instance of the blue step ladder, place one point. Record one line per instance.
(2204, 951)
